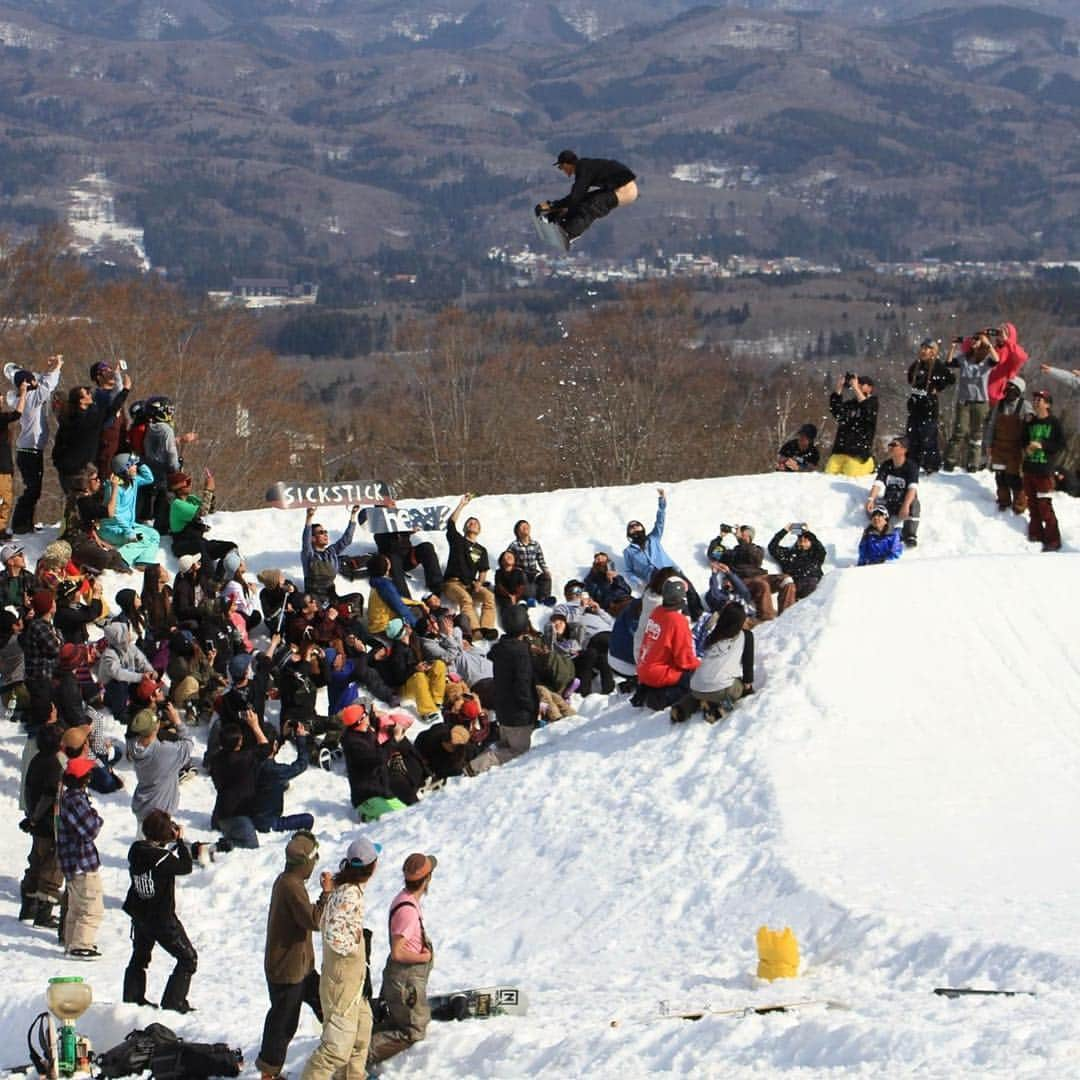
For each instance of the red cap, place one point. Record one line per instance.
(42, 602)
(470, 708)
(80, 767)
(351, 715)
(146, 690)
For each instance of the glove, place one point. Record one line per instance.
(26, 825)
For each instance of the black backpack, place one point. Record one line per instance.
(167, 1056)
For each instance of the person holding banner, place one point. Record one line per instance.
(321, 559)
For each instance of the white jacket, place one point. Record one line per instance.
(721, 665)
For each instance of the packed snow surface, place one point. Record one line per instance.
(901, 790)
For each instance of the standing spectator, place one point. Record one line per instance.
(77, 827)
(78, 434)
(111, 391)
(292, 980)
(1043, 440)
(972, 397)
(517, 702)
(155, 861)
(32, 439)
(467, 567)
(802, 565)
(43, 881)
(41, 643)
(7, 464)
(726, 671)
(879, 543)
(1006, 426)
(158, 764)
(161, 452)
(666, 657)
(606, 585)
(645, 554)
(856, 424)
(346, 1007)
(1069, 463)
(321, 559)
(897, 486)
(529, 557)
(1011, 358)
(927, 378)
(801, 453)
(408, 967)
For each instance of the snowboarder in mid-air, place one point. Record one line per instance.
(599, 186)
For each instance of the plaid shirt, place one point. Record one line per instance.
(530, 557)
(41, 643)
(76, 828)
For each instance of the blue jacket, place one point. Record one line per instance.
(126, 496)
(388, 591)
(718, 597)
(642, 562)
(877, 548)
(621, 642)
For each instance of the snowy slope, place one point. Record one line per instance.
(900, 790)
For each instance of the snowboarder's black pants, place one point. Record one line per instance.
(922, 436)
(596, 204)
(283, 1018)
(171, 936)
(422, 555)
(32, 469)
(593, 659)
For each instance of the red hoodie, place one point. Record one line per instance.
(1011, 358)
(667, 649)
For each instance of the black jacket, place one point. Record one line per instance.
(441, 763)
(78, 436)
(234, 773)
(856, 425)
(365, 765)
(744, 560)
(151, 897)
(601, 173)
(517, 703)
(42, 787)
(798, 564)
(466, 559)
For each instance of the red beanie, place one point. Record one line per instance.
(42, 602)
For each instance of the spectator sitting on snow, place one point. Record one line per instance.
(400, 663)
(802, 565)
(466, 570)
(136, 543)
(272, 780)
(187, 514)
(405, 556)
(856, 424)
(621, 645)
(581, 610)
(645, 554)
(320, 558)
(510, 583)
(350, 668)
(879, 543)
(529, 558)
(365, 765)
(726, 671)
(745, 560)
(444, 749)
(275, 598)
(84, 507)
(17, 583)
(121, 667)
(314, 622)
(666, 657)
(897, 486)
(801, 453)
(385, 602)
(517, 703)
(726, 588)
(404, 767)
(606, 586)
(441, 639)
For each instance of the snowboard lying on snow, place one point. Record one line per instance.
(479, 1003)
(666, 1011)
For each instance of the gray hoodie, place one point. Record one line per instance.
(157, 772)
(471, 665)
(122, 661)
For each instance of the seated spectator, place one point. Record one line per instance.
(12, 665)
(855, 408)
(314, 622)
(645, 554)
(745, 560)
(880, 543)
(726, 671)
(187, 519)
(441, 639)
(510, 583)
(897, 487)
(239, 590)
(320, 558)
(517, 703)
(621, 656)
(193, 683)
(400, 662)
(443, 748)
(351, 668)
(234, 771)
(249, 674)
(158, 764)
(802, 565)
(406, 556)
(84, 507)
(365, 765)
(467, 567)
(727, 588)
(581, 610)
(1006, 426)
(17, 584)
(566, 641)
(121, 667)
(136, 543)
(190, 591)
(666, 658)
(801, 453)
(385, 602)
(606, 585)
(74, 613)
(272, 781)
(529, 559)
(275, 598)
(404, 766)
(158, 615)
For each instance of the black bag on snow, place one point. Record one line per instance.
(168, 1057)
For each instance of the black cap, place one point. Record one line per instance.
(809, 430)
(566, 157)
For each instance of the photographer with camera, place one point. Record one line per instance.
(855, 408)
(32, 439)
(745, 560)
(927, 378)
(154, 863)
(1011, 358)
(973, 370)
(802, 564)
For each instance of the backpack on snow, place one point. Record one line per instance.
(167, 1056)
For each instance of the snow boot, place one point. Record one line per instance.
(677, 715)
(28, 909)
(44, 916)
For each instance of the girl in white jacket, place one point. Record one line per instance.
(726, 670)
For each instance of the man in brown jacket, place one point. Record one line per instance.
(291, 978)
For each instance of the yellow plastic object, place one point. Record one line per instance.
(778, 954)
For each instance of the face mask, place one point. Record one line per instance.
(637, 536)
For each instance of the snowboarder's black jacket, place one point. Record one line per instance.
(856, 423)
(516, 700)
(154, 868)
(590, 173)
